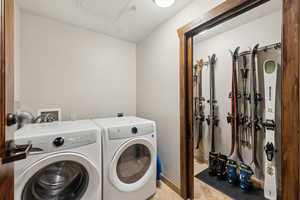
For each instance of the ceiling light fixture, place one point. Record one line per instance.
(164, 3)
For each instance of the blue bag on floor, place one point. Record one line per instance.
(158, 168)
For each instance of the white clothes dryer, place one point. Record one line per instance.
(64, 162)
(129, 158)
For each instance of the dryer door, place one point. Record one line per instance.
(62, 176)
(133, 165)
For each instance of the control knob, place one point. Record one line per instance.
(59, 141)
(134, 130)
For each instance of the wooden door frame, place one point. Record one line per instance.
(6, 93)
(290, 90)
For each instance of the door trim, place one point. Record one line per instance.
(6, 92)
(290, 90)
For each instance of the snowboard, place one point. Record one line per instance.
(270, 78)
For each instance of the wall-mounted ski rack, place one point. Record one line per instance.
(265, 48)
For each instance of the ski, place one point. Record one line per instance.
(199, 108)
(212, 120)
(233, 118)
(254, 98)
(244, 107)
(270, 78)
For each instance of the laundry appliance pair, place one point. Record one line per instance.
(101, 159)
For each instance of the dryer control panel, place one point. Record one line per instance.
(52, 143)
(130, 131)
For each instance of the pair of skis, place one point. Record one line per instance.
(270, 68)
(244, 107)
(212, 119)
(199, 108)
(237, 119)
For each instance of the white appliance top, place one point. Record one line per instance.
(57, 136)
(126, 127)
(121, 121)
(55, 128)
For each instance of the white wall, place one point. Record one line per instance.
(96, 75)
(17, 35)
(158, 84)
(158, 81)
(85, 73)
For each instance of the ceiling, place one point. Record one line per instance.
(130, 20)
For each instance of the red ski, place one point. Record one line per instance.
(233, 118)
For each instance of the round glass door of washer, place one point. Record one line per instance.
(133, 165)
(62, 176)
(63, 180)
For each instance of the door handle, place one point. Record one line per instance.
(16, 152)
(11, 119)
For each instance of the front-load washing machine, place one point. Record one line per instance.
(129, 158)
(63, 164)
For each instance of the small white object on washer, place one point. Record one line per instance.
(129, 158)
(64, 163)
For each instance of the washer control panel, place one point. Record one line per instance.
(46, 144)
(131, 131)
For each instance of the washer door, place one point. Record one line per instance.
(64, 176)
(133, 165)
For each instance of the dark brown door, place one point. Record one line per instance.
(6, 95)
